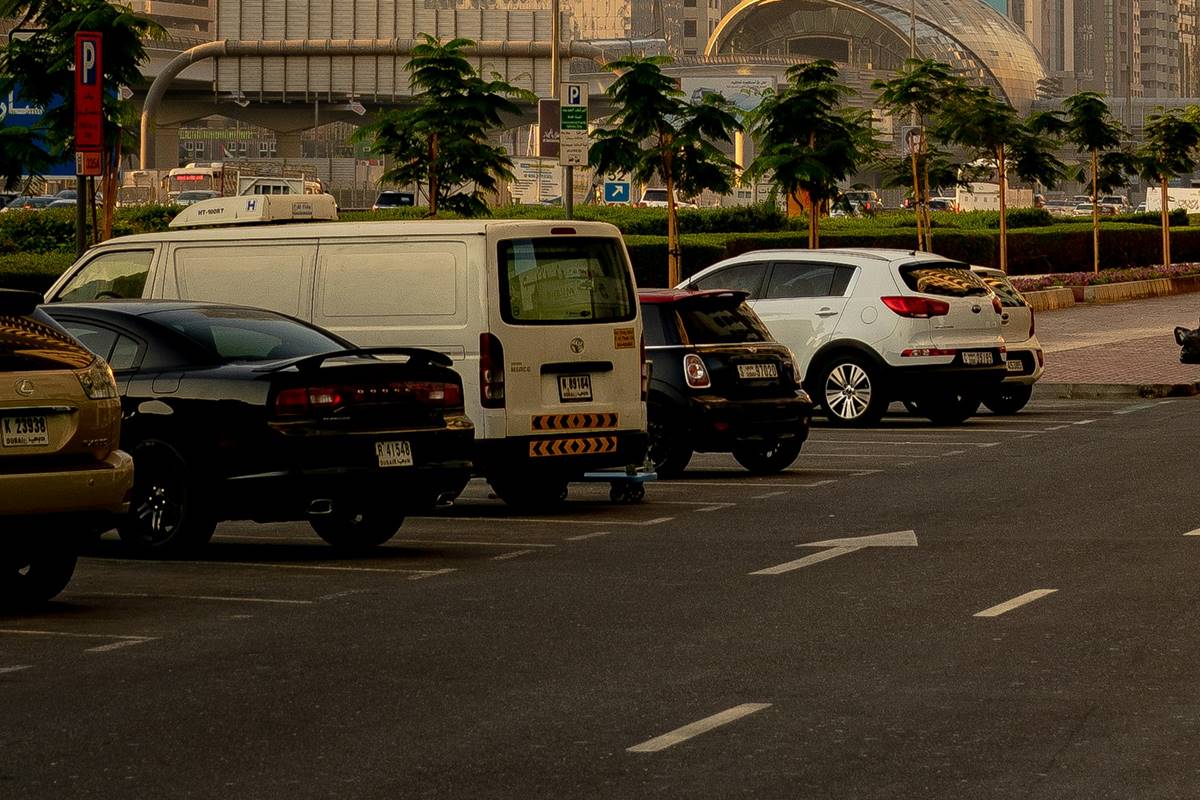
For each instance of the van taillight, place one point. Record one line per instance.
(491, 371)
(645, 368)
(916, 307)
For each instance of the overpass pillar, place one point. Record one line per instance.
(287, 145)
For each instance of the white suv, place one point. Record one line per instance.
(871, 326)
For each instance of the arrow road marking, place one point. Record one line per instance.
(696, 728)
(840, 547)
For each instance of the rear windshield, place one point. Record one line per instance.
(655, 195)
(37, 343)
(721, 322)
(555, 280)
(946, 280)
(247, 334)
(1009, 296)
(658, 322)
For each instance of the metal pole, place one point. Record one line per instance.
(80, 214)
(568, 173)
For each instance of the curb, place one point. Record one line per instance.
(1109, 391)
(1108, 293)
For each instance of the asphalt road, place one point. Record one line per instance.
(1028, 630)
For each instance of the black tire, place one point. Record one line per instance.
(37, 577)
(168, 511)
(1008, 399)
(357, 526)
(668, 449)
(951, 408)
(530, 492)
(767, 458)
(850, 391)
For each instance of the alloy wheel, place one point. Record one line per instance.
(848, 391)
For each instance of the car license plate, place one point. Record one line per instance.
(757, 371)
(977, 357)
(394, 454)
(574, 388)
(24, 431)
(1015, 365)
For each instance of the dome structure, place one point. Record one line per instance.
(874, 36)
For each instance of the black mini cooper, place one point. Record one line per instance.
(719, 383)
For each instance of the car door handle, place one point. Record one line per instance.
(827, 312)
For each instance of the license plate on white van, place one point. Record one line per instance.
(394, 454)
(24, 431)
(574, 388)
(757, 371)
(977, 357)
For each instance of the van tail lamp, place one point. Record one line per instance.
(996, 305)
(645, 368)
(695, 372)
(916, 307)
(491, 371)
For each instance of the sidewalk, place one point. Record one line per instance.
(1122, 349)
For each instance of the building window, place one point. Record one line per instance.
(689, 27)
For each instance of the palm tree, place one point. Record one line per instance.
(655, 133)
(806, 142)
(1172, 138)
(1088, 124)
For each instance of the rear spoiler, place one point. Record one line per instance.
(18, 301)
(416, 355)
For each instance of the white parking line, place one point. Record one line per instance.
(390, 541)
(193, 597)
(267, 565)
(1193, 533)
(696, 728)
(548, 521)
(904, 442)
(583, 536)
(471, 542)
(1085, 422)
(514, 554)
(123, 641)
(18, 668)
(954, 452)
(1016, 602)
(765, 496)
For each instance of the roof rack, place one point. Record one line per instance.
(252, 209)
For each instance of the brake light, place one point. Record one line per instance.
(924, 352)
(645, 368)
(1031, 325)
(996, 305)
(916, 307)
(300, 401)
(491, 371)
(695, 372)
(441, 395)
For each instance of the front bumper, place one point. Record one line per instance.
(717, 423)
(100, 487)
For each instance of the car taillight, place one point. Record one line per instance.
(916, 307)
(996, 305)
(441, 395)
(1031, 325)
(491, 371)
(300, 401)
(645, 368)
(97, 381)
(925, 352)
(695, 372)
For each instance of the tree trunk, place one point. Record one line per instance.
(108, 186)
(433, 176)
(1166, 224)
(1003, 210)
(1095, 213)
(814, 222)
(925, 205)
(673, 254)
(917, 202)
(91, 199)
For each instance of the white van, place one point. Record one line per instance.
(540, 317)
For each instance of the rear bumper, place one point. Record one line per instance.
(911, 381)
(567, 454)
(1033, 363)
(101, 488)
(717, 423)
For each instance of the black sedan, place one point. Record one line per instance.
(719, 383)
(239, 413)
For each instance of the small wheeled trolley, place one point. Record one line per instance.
(627, 486)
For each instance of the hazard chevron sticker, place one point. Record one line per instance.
(578, 446)
(569, 422)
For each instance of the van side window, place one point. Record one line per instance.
(268, 276)
(743, 277)
(120, 274)
(392, 279)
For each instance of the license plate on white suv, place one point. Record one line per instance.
(978, 357)
(394, 454)
(757, 371)
(28, 431)
(574, 388)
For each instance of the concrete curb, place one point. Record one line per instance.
(1109, 391)
(1050, 299)
(1070, 296)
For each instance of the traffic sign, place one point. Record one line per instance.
(87, 163)
(616, 192)
(573, 133)
(89, 92)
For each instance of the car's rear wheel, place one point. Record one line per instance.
(948, 408)
(357, 525)
(668, 449)
(167, 511)
(37, 576)
(850, 391)
(767, 458)
(1009, 398)
(530, 492)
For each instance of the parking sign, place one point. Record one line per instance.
(573, 134)
(89, 92)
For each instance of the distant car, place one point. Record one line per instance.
(240, 413)
(195, 196)
(391, 199)
(657, 198)
(864, 200)
(29, 202)
(63, 204)
(66, 194)
(719, 382)
(1085, 210)
(62, 475)
(941, 204)
(1060, 208)
(1026, 360)
(1141, 208)
(1119, 203)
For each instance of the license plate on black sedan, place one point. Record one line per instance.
(753, 372)
(574, 388)
(978, 358)
(394, 454)
(28, 431)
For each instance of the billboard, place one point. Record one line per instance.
(16, 112)
(743, 91)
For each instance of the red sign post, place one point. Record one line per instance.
(89, 98)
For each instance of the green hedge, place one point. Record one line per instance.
(33, 271)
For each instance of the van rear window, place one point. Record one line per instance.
(558, 279)
(946, 280)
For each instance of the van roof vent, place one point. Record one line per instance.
(257, 209)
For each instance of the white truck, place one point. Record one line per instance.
(986, 197)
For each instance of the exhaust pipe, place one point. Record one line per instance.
(321, 507)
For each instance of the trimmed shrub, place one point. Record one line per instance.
(1178, 217)
(33, 271)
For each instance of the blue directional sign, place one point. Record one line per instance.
(17, 113)
(616, 191)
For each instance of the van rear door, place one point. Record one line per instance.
(565, 314)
